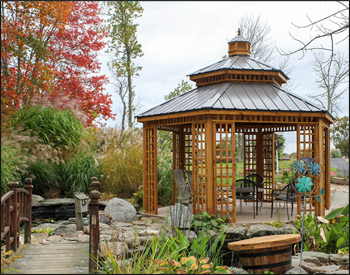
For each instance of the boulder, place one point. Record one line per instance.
(36, 199)
(236, 233)
(45, 226)
(115, 248)
(259, 230)
(66, 229)
(120, 210)
(180, 216)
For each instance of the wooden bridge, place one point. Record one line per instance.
(58, 258)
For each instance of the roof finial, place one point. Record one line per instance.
(239, 31)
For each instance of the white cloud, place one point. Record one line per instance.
(180, 37)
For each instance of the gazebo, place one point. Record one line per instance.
(236, 95)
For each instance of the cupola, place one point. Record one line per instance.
(238, 45)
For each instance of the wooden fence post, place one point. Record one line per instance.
(94, 184)
(28, 210)
(14, 216)
(94, 231)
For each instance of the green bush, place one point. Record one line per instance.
(11, 161)
(75, 174)
(165, 177)
(335, 154)
(328, 235)
(59, 127)
(45, 178)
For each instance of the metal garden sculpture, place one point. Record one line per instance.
(306, 169)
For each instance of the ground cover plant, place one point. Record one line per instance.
(329, 234)
(172, 255)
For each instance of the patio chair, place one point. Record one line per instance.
(285, 194)
(259, 181)
(184, 192)
(247, 190)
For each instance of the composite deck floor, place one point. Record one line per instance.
(65, 258)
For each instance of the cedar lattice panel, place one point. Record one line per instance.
(306, 148)
(199, 176)
(188, 147)
(224, 171)
(176, 160)
(268, 167)
(150, 196)
(250, 151)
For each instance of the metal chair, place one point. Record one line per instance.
(285, 194)
(259, 181)
(184, 191)
(247, 190)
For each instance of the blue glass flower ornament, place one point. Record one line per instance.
(314, 169)
(304, 184)
(299, 166)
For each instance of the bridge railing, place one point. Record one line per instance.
(94, 226)
(16, 209)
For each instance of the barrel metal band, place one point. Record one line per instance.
(268, 265)
(267, 253)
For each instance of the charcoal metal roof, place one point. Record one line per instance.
(235, 96)
(237, 62)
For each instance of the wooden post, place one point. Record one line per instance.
(28, 227)
(210, 185)
(94, 184)
(13, 216)
(94, 231)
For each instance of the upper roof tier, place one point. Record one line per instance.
(238, 67)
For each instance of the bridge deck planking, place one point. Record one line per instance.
(53, 259)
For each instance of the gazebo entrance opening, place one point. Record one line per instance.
(235, 96)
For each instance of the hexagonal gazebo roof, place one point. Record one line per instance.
(235, 95)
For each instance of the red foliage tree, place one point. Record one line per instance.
(50, 48)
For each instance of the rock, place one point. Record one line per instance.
(288, 229)
(262, 230)
(180, 216)
(54, 239)
(40, 236)
(340, 271)
(121, 210)
(68, 229)
(295, 270)
(129, 239)
(312, 268)
(190, 235)
(148, 232)
(36, 199)
(235, 233)
(103, 218)
(80, 239)
(115, 248)
(237, 270)
(58, 201)
(340, 259)
(330, 268)
(314, 257)
(45, 226)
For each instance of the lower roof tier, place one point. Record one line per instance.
(235, 96)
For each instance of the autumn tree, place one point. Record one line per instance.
(340, 135)
(331, 74)
(26, 29)
(124, 46)
(49, 48)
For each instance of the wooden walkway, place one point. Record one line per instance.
(60, 258)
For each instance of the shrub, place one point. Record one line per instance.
(59, 127)
(120, 157)
(335, 154)
(11, 161)
(165, 177)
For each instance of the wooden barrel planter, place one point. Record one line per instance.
(268, 253)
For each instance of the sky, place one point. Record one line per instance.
(180, 37)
